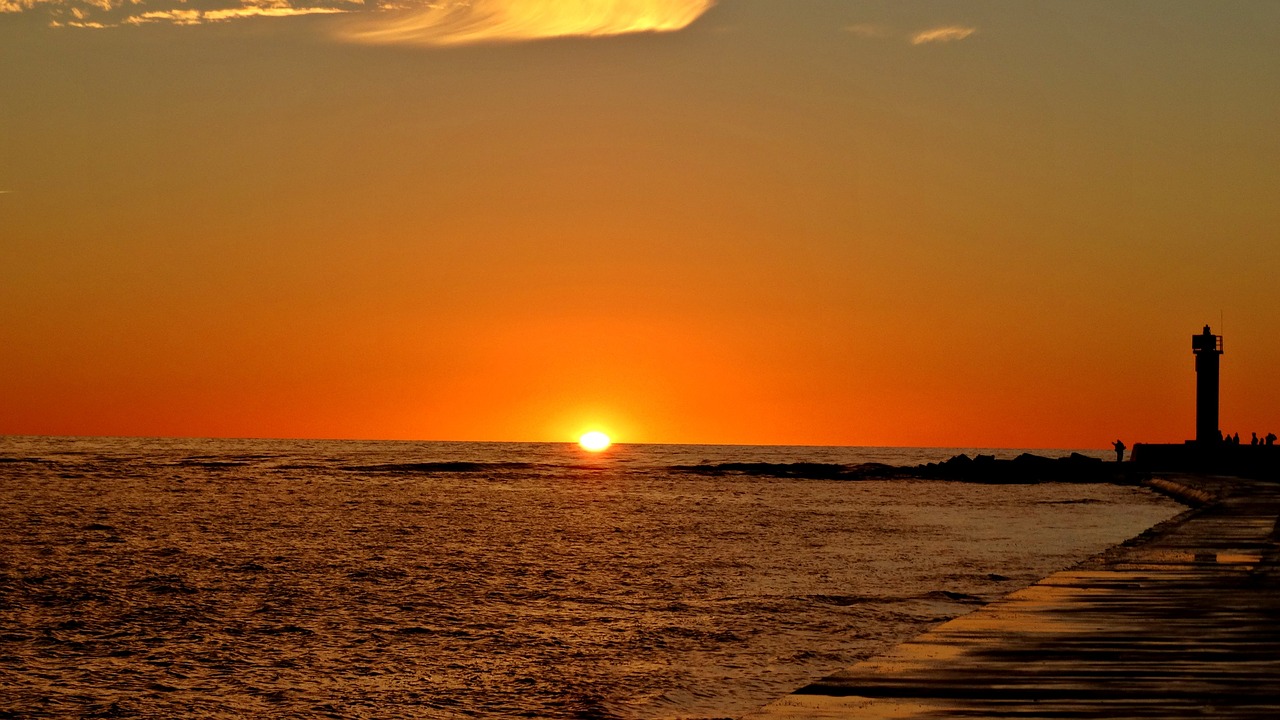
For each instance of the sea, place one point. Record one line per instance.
(164, 578)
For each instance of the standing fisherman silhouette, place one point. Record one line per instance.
(1119, 446)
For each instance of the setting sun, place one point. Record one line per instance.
(594, 441)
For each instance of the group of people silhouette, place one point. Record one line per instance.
(1269, 440)
(1234, 439)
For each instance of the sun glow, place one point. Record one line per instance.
(594, 441)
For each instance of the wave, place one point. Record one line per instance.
(851, 600)
(807, 470)
(452, 466)
(211, 464)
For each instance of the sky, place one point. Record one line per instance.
(819, 222)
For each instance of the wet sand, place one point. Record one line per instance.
(1182, 622)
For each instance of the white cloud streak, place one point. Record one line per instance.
(463, 22)
(198, 17)
(408, 22)
(943, 34)
(115, 13)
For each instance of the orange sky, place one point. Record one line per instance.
(822, 222)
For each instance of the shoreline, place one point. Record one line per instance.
(1175, 622)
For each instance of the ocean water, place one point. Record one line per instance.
(300, 579)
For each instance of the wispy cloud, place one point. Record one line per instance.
(460, 22)
(197, 17)
(866, 30)
(17, 6)
(413, 22)
(943, 34)
(114, 13)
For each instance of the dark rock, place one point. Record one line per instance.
(1026, 468)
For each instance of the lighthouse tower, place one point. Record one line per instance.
(1207, 348)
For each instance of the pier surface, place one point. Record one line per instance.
(1183, 622)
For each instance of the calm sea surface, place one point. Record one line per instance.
(255, 578)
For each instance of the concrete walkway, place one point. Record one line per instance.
(1183, 622)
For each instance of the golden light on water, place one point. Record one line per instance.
(480, 21)
(594, 441)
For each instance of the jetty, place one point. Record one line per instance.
(1181, 622)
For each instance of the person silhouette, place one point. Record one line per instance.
(1254, 440)
(1270, 439)
(1119, 446)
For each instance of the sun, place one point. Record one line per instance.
(594, 441)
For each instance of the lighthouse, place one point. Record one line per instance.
(1207, 348)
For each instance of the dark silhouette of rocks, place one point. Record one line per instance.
(1024, 469)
